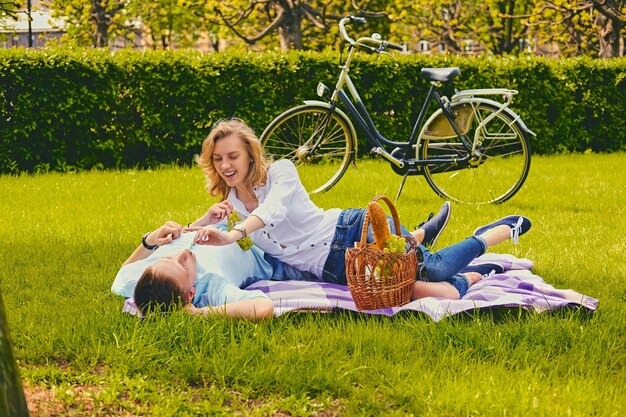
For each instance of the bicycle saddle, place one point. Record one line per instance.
(440, 74)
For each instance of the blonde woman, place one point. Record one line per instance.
(281, 219)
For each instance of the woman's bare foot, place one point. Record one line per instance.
(473, 277)
(418, 235)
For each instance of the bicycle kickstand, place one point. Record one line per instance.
(401, 186)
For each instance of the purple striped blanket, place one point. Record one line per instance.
(515, 287)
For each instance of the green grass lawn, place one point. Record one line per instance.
(63, 238)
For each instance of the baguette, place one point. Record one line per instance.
(380, 228)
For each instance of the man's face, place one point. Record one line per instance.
(180, 267)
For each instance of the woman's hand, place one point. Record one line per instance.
(211, 236)
(191, 309)
(218, 212)
(165, 234)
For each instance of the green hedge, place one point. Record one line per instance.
(68, 110)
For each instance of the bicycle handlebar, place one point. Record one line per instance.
(360, 20)
(394, 46)
(359, 42)
(342, 28)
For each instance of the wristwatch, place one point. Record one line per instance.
(241, 230)
(145, 244)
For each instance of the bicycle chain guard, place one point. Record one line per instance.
(440, 127)
(399, 153)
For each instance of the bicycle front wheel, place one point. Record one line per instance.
(319, 142)
(492, 177)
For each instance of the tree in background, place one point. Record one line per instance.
(458, 26)
(288, 24)
(98, 23)
(168, 23)
(92, 22)
(610, 21)
(9, 8)
(579, 27)
(254, 20)
(502, 31)
(563, 27)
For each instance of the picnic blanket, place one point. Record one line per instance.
(515, 287)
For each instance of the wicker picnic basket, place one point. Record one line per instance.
(378, 279)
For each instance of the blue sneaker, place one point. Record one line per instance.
(487, 269)
(518, 224)
(435, 225)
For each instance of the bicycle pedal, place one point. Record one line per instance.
(377, 150)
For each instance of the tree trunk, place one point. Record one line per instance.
(102, 40)
(12, 401)
(446, 37)
(510, 42)
(101, 20)
(502, 36)
(290, 30)
(609, 31)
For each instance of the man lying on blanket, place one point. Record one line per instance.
(165, 270)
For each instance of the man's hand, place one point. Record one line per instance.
(211, 236)
(165, 234)
(161, 236)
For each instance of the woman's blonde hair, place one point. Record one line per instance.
(257, 175)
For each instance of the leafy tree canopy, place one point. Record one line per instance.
(564, 27)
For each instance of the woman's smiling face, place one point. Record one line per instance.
(231, 160)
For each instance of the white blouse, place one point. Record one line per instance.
(296, 231)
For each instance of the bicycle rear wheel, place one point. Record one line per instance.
(496, 175)
(294, 134)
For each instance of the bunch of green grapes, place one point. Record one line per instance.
(395, 244)
(378, 270)
(245, 243)
(233, 218)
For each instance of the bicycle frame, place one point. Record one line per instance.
(359, 112)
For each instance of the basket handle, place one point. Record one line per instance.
(394, 216)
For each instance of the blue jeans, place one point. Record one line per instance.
(443, 265)
(282, 272)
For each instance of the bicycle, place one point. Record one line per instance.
(471, 149)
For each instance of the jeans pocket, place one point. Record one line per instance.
(348, 229)
(350, 218)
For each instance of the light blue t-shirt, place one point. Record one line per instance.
(221, 271)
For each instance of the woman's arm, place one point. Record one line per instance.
(255, 309)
